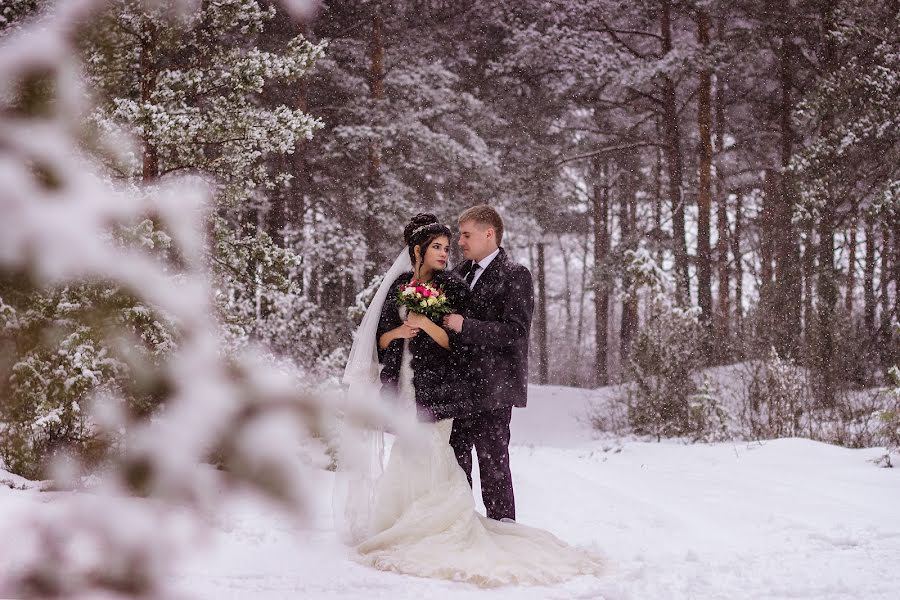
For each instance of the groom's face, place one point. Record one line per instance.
(476, 240)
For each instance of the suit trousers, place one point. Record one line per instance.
(488, 432)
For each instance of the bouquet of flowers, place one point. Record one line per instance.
(424, 298)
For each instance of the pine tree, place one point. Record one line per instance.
(177, 83)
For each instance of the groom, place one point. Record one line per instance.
(492, 332)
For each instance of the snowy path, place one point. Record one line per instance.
(784, 519)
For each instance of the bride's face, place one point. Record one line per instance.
(437, 253)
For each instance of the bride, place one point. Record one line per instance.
(418, 516)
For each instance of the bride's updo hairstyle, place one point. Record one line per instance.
(421, 230)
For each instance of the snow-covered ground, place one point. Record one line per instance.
(781, 519)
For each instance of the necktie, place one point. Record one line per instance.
(471, 276)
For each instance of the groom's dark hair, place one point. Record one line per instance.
(484, 215)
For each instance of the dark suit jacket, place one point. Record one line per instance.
(495, 333)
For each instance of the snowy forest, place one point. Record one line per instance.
(198, 199)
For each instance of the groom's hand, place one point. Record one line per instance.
(453, 322)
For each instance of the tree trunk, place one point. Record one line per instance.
(767, 239)
(888, 348)
(572, 351)
(626, 223)
(704, 197)
(723, 309)
(542, 316)
(600, 207)
(827, 298)
(738, 258)
(583, 286)
(371, 229)
(851, 268)
(788, 289)
(891, 334)
(808, 263)
(827, 280)
(869, 307)
(148, 68)
(896, 274)
(885, 280)
(567, 282)
(675, 165)
(658, 198)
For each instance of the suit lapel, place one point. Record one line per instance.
(491, 271)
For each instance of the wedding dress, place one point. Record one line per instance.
(417, 515)
(424, 521)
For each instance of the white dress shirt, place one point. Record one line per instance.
(484, 262)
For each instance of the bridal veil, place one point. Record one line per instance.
(360, 453)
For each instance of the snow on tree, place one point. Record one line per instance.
(104, 272)
(664, 398)
(408, 135)
(188, 87)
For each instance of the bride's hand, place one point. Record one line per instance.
(406, 331)
(417, 320)
(430, 329)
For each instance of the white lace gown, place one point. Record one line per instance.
(424, 522)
